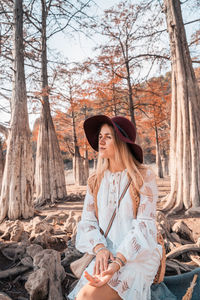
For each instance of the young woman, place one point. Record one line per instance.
(127, 260)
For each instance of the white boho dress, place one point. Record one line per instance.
(136, 238)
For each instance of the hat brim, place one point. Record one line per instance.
(92, 128)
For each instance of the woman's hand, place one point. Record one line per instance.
(104, 277)
(101, 262)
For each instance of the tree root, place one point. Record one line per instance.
(182, 249)
(13, 271)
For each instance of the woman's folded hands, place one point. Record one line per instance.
(105, 267)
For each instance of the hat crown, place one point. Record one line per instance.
(125, 127)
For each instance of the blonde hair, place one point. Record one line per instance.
(123, 154)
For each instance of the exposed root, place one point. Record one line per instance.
(170, 200)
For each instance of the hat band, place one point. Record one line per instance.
(122, 131)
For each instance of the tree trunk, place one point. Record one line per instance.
(158, 156)
(79, 169)
(17, 185)
(78, 164)
(114, 100)
(1, 164)
(49, 175)
(165, 163)
(130, 94)
(185, 122)
(86, 166)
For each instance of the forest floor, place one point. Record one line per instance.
(74, 203)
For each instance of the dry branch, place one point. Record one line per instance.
(179, 266)
(13, 271)
(183, 230)
(182, 249)
(194, 257)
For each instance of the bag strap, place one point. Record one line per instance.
(114, 213)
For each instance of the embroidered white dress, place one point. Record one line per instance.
(136, 238)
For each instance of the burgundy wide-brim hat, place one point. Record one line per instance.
(123, 127)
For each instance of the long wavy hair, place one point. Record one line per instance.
(123, 154)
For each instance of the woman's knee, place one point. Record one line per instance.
(89, 292)
(86, 293)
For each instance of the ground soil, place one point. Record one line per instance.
(14, 287)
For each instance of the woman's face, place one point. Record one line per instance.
(106, 142)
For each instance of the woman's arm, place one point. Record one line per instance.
(142, 236)
(88, 231)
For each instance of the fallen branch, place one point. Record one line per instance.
(194, 257)
(13, 271)
(182, 249)
(179, 266)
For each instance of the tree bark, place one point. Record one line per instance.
(158, 155)
(185, 122)
(17, 185)
(78, 161)
(165, 163)
(130, 93)
(86, 166)
(1, 164)
(49, 175)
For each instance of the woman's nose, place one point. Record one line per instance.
(102, 141)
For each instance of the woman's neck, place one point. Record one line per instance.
(115, 166)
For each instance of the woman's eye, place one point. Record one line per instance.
(107, 136)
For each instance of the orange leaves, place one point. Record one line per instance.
(35, 130)
(42, 94)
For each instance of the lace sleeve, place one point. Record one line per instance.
(142, 235)
(88, 231)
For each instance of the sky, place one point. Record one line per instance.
(75, 49)
(79, 47)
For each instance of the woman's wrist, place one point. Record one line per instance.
(116, 263)
(120, 260)
(98, 247)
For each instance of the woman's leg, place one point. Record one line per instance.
(105, 292)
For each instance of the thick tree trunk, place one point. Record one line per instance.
(1, 164)
(185, 122)
(158, 156)
(49, 175)
(17, 185)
